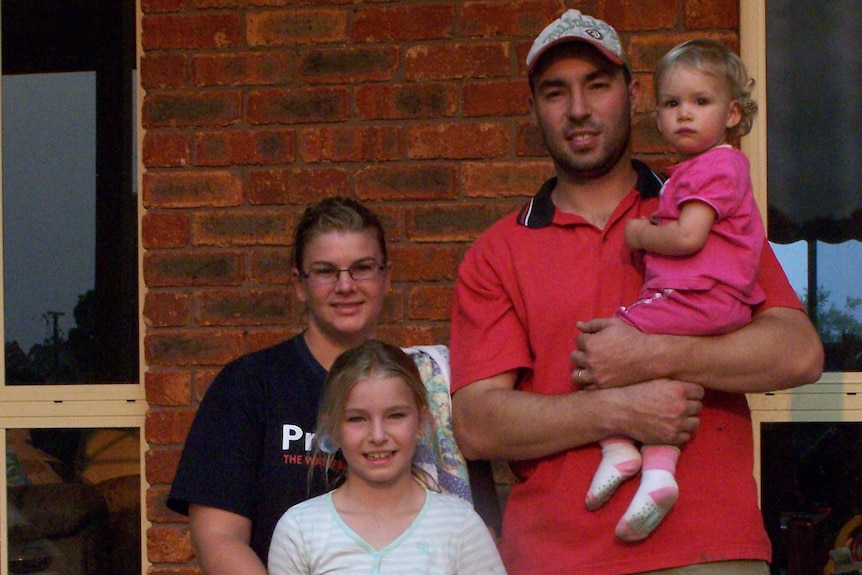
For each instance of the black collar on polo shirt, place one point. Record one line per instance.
(539, 211)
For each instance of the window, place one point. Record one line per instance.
(807, 167)
(810, 56)
(71, 403)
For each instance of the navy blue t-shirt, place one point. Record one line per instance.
(249, 446)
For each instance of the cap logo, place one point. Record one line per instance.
(594, 33)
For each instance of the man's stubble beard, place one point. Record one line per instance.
(576, 172)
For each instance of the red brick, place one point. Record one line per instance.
(272, 266)
(260, 339)
(646, 50)
(167, 309)
(628, 15)
(168, 569)
(498, 180)
(169, 544)
(711, 14)
(203, 378)
(351, 144)
(166, 70)
(500, 98)
(453, 61)
(528, 140)
(296, 186)
(286, 27)
(168, 426)
(407, 182)
(191, 189)
(457, 222)
(431, 302)
(191, 109)
(241, 3)
(257, 147)
(166, 149)
(407, 335)
(403, 101)
(243, 69)
(172, 569)
(191, 31)
(425, 262)
(161, 464)
(247, 307)
(290, 106)
(348, 65)
(646, 139)
(192, 347)
(518, 18)
(168, 388)
(238, 228)
(151, 6)
(457, 141)
(156, 502)
(191, 268)
(403, 23)
(165, 230)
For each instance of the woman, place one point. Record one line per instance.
(247, 454)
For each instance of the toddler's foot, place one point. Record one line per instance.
(656, 495)
(620, 461)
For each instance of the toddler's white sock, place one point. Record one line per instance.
(657, 493)
(620, 460)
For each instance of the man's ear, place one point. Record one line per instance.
(635, 94)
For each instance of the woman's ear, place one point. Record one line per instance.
(298, 287)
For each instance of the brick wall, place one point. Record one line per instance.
(255, 108)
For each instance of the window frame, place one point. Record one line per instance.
(752, 34)
(104, 405)
(837, 396)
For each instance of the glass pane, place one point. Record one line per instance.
(69, 198)
(49, 221)
(811, 485)
(833, 274)
(74, 501)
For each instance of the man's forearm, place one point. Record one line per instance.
(779, 349)
(492, 420)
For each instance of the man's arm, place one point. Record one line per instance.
(779, 349)
(221, 540)
(493, 420)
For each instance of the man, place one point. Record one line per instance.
(562, 259)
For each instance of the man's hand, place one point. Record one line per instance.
(659, 411)
(610, 353)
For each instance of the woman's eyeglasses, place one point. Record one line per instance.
(358, 272)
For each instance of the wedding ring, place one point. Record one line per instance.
(578, 376)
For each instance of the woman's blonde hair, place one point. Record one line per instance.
(711, 57)
(372, 358)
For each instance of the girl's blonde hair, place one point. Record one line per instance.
(711, 57)
(370, 359)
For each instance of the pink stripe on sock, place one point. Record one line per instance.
(660, 457)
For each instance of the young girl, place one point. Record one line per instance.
(702, 247)
(383, 517)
